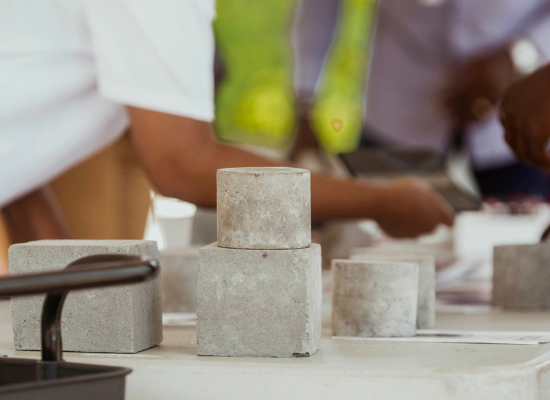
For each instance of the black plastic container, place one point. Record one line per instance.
(22, 379)
(52, 378)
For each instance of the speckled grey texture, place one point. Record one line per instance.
(121, 319)
(425, 313)
(179, 279)
(374, 298)
(521, 276)
(264, 208)
(259, 303)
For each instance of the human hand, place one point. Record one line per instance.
(475, 87)
(410, 207)
(525, 115)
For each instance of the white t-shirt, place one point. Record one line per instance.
(68, 66)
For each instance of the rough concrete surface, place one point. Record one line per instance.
(521, 276)
(264, 208)
(121, 319)
(425, 313)
(259, 303)
(179, 279)
(205, 222)
(374, 298)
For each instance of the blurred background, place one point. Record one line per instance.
(375, 89)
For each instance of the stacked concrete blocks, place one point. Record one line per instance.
(374, 298)
(259, 286)
(121, 319)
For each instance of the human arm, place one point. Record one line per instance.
(181, 158)
(525, 115)
(476, 84)
(157, 60)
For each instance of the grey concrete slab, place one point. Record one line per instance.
(122, 319)
(259, 303)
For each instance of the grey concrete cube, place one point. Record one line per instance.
(179, 279)
(374, 298)
(121, 319)
(521, 276)
(259, 303)
(425, 315)
(264, 208)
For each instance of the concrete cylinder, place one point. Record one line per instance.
(374, 298)
(425, 313)
(264, 208)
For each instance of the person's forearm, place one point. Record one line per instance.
(331, 197)
(181, 158)
(184, 166)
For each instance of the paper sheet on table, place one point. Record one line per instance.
(481, 337)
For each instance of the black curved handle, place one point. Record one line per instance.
(84, 273)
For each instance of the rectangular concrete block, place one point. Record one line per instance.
(521, 276)
(179, 279)
(121, 319)
(264, 208)
(259, 303)
(425, 316)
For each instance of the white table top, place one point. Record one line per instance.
(340, 369)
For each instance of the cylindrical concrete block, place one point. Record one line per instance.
(264, 208)
(521, 276)
(425, 314)
(374, 299)
(179, 271)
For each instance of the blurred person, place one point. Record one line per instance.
(525, 116)
(439, 68)
(255, 103)
(254, 99)
(75, 73)
(437, 72)
(331, 40)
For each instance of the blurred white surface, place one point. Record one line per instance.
(170, 222)
(476, 233)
